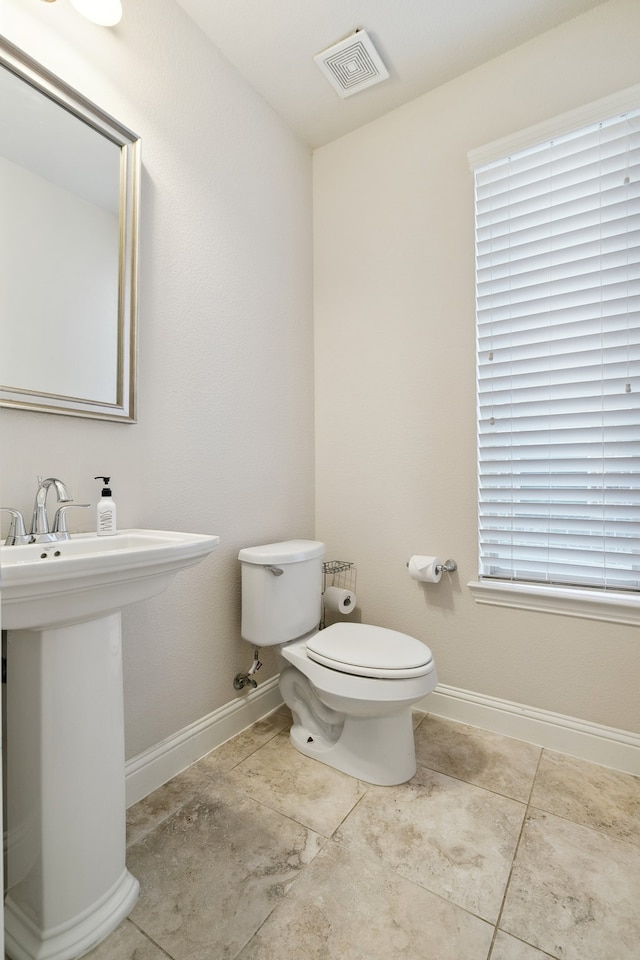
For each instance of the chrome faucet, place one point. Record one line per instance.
(40, 532)
(17, 532)
(60, 530)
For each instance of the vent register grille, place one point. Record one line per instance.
(352, 65)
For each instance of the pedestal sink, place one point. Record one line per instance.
(68, 886)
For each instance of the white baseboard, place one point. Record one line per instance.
(619, 749)
(150, 769)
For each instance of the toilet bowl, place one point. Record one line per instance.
(351, 686)
(358, 723)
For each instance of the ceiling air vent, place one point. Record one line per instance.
(352, 65)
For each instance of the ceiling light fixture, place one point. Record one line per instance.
(106, 13)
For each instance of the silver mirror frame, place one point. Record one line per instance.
(124, 409)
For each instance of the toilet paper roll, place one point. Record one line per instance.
(342, 601)
(425, 569)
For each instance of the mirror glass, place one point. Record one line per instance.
(69, 177)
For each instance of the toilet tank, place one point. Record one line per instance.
(279, 607)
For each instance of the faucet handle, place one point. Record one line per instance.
(17, 533)
(60, 520)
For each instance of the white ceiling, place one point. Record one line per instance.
(423, 44)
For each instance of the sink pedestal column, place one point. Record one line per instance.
(68, 886)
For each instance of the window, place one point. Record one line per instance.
(558, 328)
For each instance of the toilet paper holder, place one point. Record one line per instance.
(449, 566)
(333, 567)
(338, 573)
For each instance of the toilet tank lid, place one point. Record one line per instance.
(287, 551)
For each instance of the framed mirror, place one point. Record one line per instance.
(69, 194)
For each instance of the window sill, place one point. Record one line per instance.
(612, 606)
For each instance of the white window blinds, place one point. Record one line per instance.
(558, 326)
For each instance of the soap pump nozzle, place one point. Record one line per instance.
(106, 492)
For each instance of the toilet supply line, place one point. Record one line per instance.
(242, 680)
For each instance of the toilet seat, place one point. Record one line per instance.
(367, 651)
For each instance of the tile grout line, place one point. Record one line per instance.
(513, 861)
(365, 791)
(151, 940)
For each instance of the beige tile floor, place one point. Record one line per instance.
(495, 850)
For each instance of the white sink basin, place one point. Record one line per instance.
(51, 584)
(67, 882)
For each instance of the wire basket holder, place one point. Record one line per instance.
(338, 573)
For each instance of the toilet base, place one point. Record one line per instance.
(378, 750)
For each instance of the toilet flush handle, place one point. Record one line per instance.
(276, 571)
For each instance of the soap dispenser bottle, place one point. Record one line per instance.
(105, 511)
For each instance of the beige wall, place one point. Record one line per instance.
(394, 320)
(224, 441)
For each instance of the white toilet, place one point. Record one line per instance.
(351, 686)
